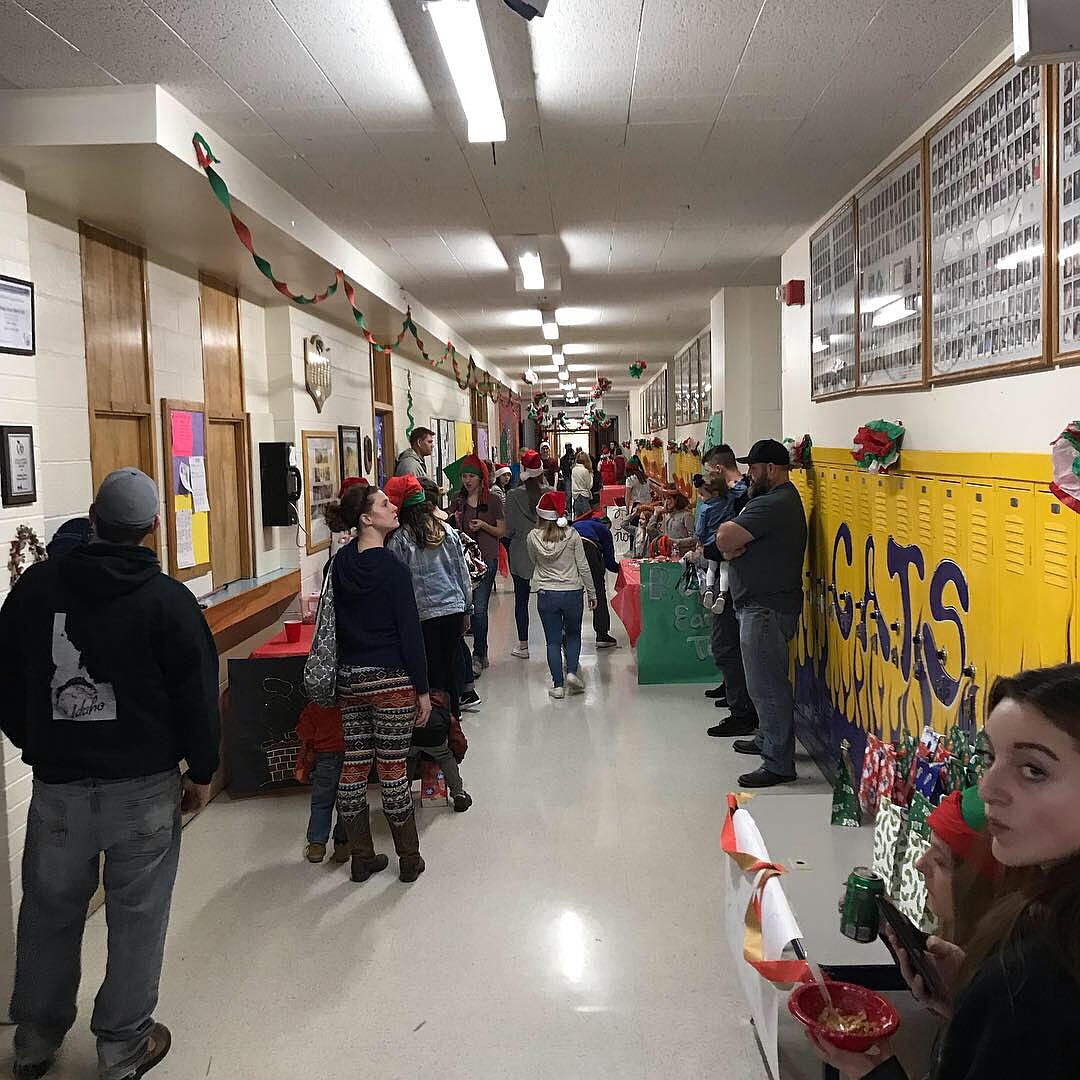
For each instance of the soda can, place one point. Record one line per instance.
(860, 919)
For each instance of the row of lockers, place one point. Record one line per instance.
(921, 589)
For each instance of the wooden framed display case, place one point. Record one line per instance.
(891, 244)
(988, 207)
(833, 314)
(1064, 259)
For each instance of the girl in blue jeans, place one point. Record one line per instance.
(561, 580)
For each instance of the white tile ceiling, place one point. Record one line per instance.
(658, 150)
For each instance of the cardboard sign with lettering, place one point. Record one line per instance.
(676, 630)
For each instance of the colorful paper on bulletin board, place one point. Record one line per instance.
(184, 532)
(676, 630)
(483, 448)
(464, 438)
(200, 535)
(183, 436)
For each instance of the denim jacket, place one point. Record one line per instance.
(440, 574)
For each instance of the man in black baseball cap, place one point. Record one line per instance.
(110, 679)
(766, 545)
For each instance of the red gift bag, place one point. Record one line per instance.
(504, 562)
(870, 784)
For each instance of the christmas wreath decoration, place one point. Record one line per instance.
(657, 443)
(637, 369)
(672, 446)
(690, 446)
(800, 451)
(1065, 454)
(876, 446)
(26, 542)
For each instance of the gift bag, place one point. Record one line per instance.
(872, 763)
(890, 844)
(887, 775)
(504, 561)
(913, 899)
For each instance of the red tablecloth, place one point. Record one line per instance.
(612, 495)
(278, 646)
(627, 599)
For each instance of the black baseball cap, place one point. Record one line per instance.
(767, 452)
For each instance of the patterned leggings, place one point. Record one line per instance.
(378, 711)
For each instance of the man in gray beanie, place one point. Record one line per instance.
(110, 679)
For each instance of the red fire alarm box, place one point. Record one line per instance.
(793, 293)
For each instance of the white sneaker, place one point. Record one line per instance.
(718, 607)
(557, 692)
(575, 682)
(520, 653)
(708, 599)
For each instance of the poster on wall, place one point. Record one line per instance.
(322, 480)
(986, 230)
(349, 446)
(445, 447)
(891, 276)
(832, 305)
(1068, 215)
(483, 446)
(18, 483)
(17, 331)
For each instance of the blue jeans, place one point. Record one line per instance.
(561, 613)
(136, 823)
(481, 597)
(764, 635)
(522, 592)
(324, 784)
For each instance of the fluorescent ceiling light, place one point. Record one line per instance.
(525, 317)
(551, 328)
(563, 377)
(578, 350)
(893, 313)
(532, 270)
(548, 369)
(461, 35)
(1011, 262)
(576, 316)
(557, 359)
(580, 367)
(536, 350)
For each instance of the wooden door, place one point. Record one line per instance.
(226, 472)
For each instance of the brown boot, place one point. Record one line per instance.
(407, 845)
(364, 860)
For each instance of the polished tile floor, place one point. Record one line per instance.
(569, 925)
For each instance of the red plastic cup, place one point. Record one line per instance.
(292, 631)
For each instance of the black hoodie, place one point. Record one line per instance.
(108, 669)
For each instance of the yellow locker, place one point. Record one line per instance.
(980, 565)
(1054, 604)
(1016, 614)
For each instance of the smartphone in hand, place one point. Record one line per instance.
(913, 940)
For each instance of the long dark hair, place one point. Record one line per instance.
(344, 514)
(635, 468)
(422, 525)
(1037, 901)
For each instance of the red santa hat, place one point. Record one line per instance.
(532, 465)
(552, 507)
(503, 470)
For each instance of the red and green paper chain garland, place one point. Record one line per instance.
(206, 159)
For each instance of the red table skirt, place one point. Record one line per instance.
(612, 495)
(278, 646)
(626, 602)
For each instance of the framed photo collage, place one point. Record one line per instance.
(940, 269)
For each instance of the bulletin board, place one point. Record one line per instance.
(464, 439)
(187, 502)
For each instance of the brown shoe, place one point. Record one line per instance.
(407, 844)
(362, 848)
(315, 853)
(159, 1044)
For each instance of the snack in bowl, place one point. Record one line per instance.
(854, 1019)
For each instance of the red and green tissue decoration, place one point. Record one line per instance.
(800, 451)
(540, 409)
(595, 416)
(876, 447)
(601, 387)
(1065, 455)
(637, 369)
(473, 379)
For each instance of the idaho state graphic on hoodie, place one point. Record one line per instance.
(76, 695)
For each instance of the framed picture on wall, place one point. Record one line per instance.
(322, 478)
(832, 305)
(1067, 263)
(349, 446)
(17, 333)
(18, 482)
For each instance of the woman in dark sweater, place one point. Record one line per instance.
(1014, 997)
(382, 682)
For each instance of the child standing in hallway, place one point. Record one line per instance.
(322, 739)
